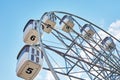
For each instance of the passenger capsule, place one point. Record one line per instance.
(87, 31)
(48, 22)
(30, 33)
(29, 62)
(67, 23)
(108, 44)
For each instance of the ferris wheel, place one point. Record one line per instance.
(72, 47)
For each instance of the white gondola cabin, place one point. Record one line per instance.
(108, 44)
(67, 23)
(87, 31)
(48, 22)
(30, 33)
(29, 62)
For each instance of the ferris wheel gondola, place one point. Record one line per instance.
(108, 44)
(29, 62)
(30, 32)
(48, 21)
(87, 31)
(67, 23)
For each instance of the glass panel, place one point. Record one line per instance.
(33, 50)
(104, 40)
(41, 54)
(63, 19)
(35, 25)
(37, 59)
(28, 24)
(27, 49)
(83, 28)
(32, 57)
(37, 53)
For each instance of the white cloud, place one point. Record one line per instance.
(49, 76)
(116, 24)
(114, 29)
(102, 34)
(38, 77)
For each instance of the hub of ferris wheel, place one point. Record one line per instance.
(76, 42)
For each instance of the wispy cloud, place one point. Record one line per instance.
(38, 77)
(114, 29)
(49, 76)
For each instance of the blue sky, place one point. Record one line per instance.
(15, 13)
